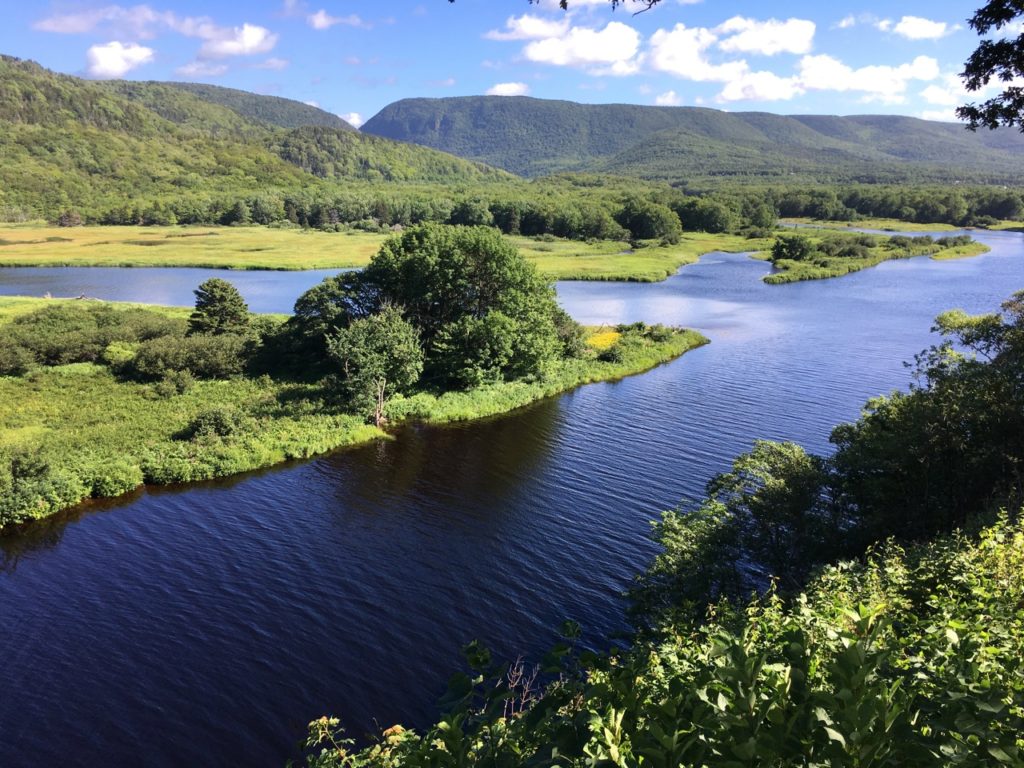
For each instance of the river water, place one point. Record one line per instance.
(206, 625)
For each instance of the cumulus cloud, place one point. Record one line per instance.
(612, 50)
(877, 83)
(116, 59)
(508, 89)
(668, 99)
(529, 27)
(145, 21)
(323, 20)
(682, 51)
(743, 35)
(917, 28)
(202, 69)
(761, 86)
(942, 115)
(353, 118)
(245, 40)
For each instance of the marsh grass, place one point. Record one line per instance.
(291, 249)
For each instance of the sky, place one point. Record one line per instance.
(353, 58)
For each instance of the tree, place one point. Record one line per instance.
(220, 308)
(450, 280)
(379, 355)
(1002, 59)
(793, 247)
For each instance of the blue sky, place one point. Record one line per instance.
(352, 58)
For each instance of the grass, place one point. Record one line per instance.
(23, 245)
(886, 225)
(73, 432)
(203, 247)
(639, 355)
(961, 252)
(605, 260)
(824, 268)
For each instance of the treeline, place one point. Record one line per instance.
(910, 654)
(580, 208)
(959, 206)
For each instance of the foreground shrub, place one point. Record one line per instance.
(203, 356)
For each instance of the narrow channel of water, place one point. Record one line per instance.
(207, 625)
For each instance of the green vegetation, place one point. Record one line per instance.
(97, 398)
(91, 147)
(908, 654)
(24, 245)
(831, 254)
(533, 137)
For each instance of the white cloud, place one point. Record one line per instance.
(743, 35)
(144, 21)
(943, 115)
(202, 69)
(878, 83)
(245, 40)
(528, 27)
(683, 52)
(611, 50)
(508, 89)
(884, 24)
(273, 63)
(847, 21)
(323, 20)
(353, 118)
(312, 103)
(761, 86)
(116, 59)
(917, 28)
(668, 99)
(138, 20)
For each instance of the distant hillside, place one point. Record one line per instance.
(532, 137)
(273, 110)
(73, 143)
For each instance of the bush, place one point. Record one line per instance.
(220, 421)
(205, 357)
(115, 478)
(15, 360)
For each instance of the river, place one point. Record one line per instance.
(206, 625)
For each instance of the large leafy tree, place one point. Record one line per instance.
(379, 356)
(484, 311)
(1000, 58)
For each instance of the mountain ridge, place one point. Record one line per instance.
(532, 137)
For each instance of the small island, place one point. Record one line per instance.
(445, 324)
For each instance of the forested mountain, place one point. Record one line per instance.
(93, 146)
(534, 136)
(284, 113)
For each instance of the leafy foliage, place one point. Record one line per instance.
(380, 355)
(998, 59)
(220, 308)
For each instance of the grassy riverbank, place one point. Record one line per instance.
(78, 431)
(292, 249)
(607, 260)
(836, 254)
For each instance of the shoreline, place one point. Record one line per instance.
(153, 459)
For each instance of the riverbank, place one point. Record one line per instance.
(864, 252)
(256, 247)
(73, 432)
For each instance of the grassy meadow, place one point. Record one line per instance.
(258, 247)
(203, 247)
